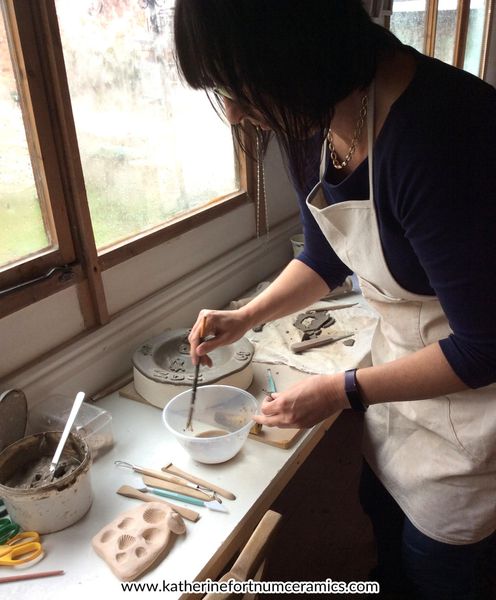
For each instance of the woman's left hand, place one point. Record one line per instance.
(304, 404)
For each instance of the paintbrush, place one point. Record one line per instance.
(210, 504)
(189, 422)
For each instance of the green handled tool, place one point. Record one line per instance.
(212, 504)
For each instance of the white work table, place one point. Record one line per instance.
(256, 475)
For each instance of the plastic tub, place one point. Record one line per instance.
(222, 419)
(92, 423)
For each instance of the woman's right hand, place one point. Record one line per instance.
(226, 326)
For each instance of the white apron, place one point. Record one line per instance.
(436, 457)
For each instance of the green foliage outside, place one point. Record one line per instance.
(22, 226)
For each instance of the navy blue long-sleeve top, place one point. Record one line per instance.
(435, 193)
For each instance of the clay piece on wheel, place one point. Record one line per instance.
(163, 369)
(138, 538)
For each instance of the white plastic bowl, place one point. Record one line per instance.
(220, 409)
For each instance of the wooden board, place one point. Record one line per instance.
(275, 436)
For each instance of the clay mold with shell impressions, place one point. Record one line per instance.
(132, 542)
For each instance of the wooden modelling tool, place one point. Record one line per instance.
(324, 339)
(170, 468)
(131, 492)
(164, 476)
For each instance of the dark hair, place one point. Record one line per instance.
(291, 59)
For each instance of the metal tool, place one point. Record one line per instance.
(189, 422)
(170, 468)
(212, 504)
(65, 434)
(271, 384)
(164, 476)
(269, 389)
(23, 550)
(335, 307)
(131, 492)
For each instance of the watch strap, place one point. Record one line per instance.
(352, 392)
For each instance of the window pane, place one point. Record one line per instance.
(475, 36)
(22, 227)
(446, 30)
(150, 148)
(408, 22)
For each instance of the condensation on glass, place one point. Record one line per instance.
(408, 22)
(151, 149)
(23, 231)
(475, 36)
(446, 30)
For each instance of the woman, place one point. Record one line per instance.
(403, 198)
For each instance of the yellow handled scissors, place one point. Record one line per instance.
(21, 550)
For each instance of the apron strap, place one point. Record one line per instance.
(370, 139)
(324, 159)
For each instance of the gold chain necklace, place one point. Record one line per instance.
(356, 136)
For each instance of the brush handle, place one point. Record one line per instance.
(67, 429)
(130, 492)
(166, 477)
(177, 496)
(174, 487)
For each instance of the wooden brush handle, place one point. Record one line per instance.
(130, 492)
(162, 475)
(170, 468)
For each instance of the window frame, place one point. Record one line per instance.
(38, 55)
(461, 32)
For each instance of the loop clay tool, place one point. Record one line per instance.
(137, 538)
(178, 481)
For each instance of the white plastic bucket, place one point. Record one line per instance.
(52, 506)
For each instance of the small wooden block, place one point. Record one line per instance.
(276, 436)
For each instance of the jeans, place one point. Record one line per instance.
(414, 566)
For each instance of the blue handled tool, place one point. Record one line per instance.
(212, 504)
(271, 384)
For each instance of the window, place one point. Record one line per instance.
(24, 230)
(103, 152)
(151, 149)
(455, 31)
